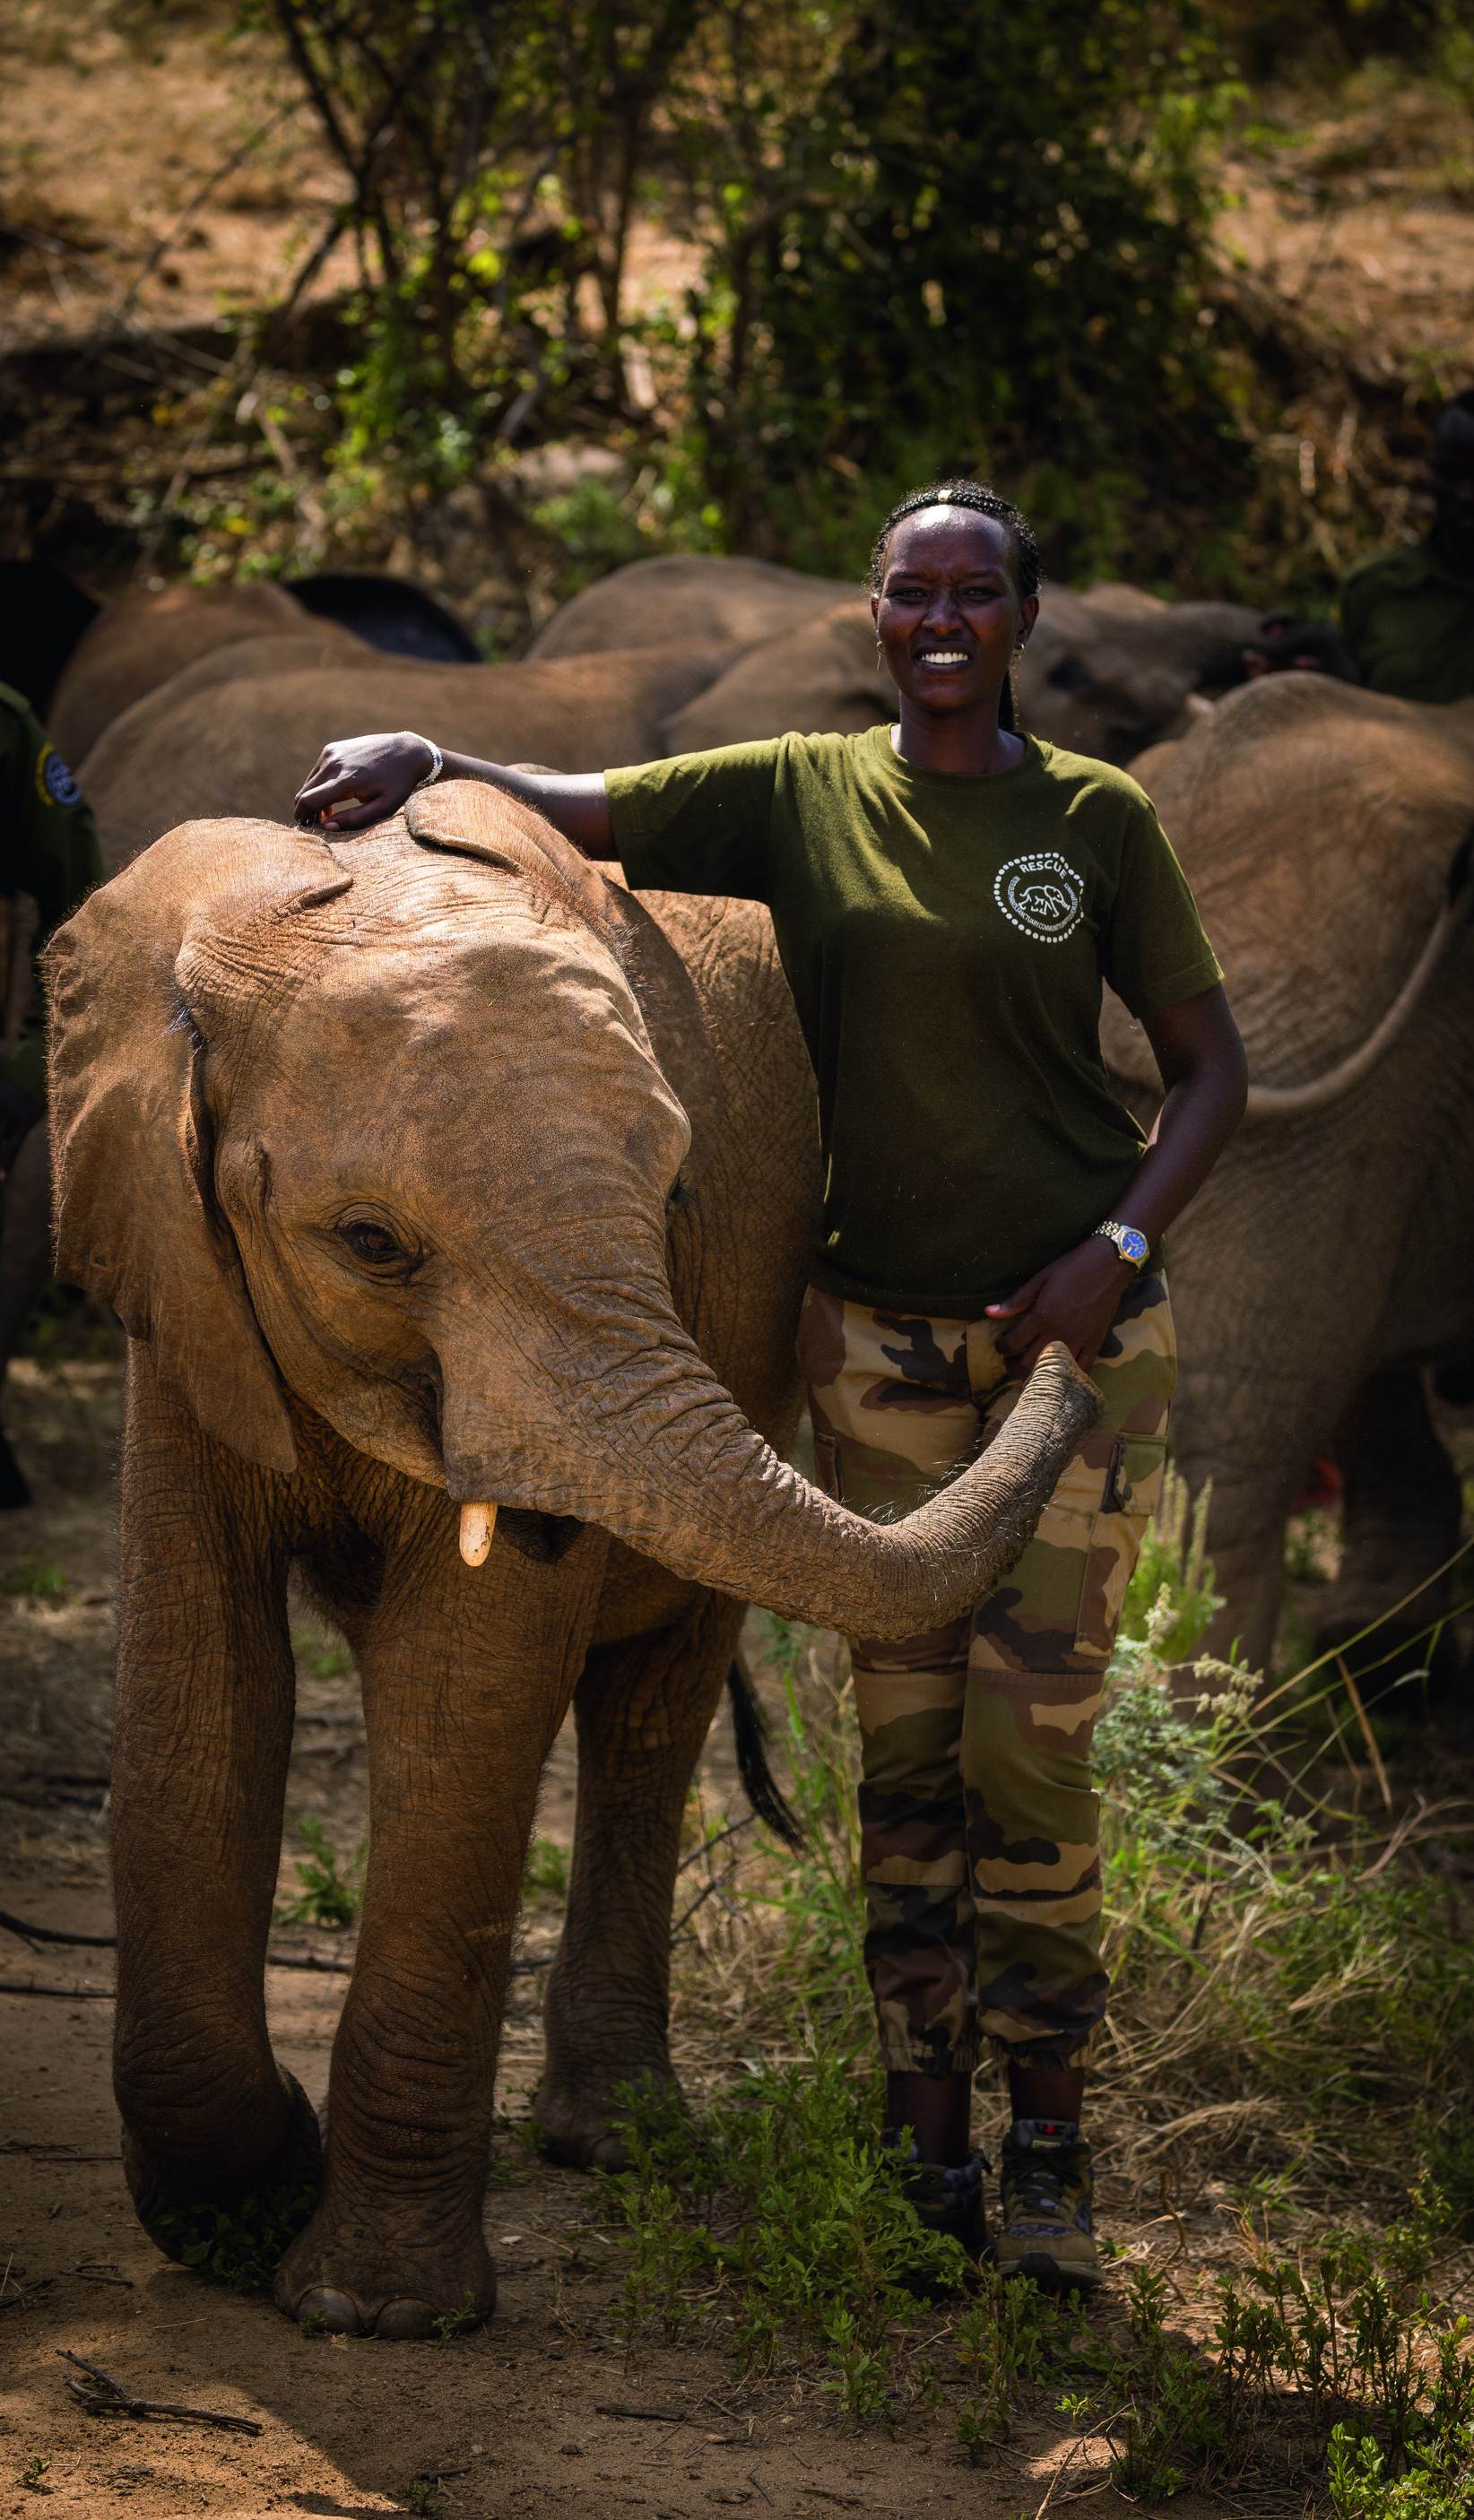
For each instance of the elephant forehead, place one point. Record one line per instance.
(456, 987)
(443, 1060)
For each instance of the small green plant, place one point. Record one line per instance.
(315, 2324)
(423, 2493)
(454, 2322)
(32, 2472)
(328, 1897)
(782, 2209)
(1170, 2422)
(1448, 2150)
(1309, 1548)
(1005, 2338)
(241, 2245)
(33, 1579)
(1173, 1565)
(546, 1869)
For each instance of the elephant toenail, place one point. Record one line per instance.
(332, 2311)
(405, 2322)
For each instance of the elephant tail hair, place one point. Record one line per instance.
(749, 1731)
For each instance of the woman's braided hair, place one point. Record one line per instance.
(984, 503)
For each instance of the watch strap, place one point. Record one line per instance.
(1117, 1234)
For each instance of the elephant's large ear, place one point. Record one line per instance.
(137, 1223)
(478, 821)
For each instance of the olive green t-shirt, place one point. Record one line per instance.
(944, 938)
(1409, 625)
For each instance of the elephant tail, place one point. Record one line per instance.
(749, 1731)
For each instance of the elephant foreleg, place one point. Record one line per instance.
(205, 1694)
(466, 1673)
(644, 1708)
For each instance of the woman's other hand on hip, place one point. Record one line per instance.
(1076, 1298)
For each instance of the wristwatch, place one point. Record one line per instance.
(1132, 1246)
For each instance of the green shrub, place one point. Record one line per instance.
(779, 2218)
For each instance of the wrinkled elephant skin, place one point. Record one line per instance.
(140, 640)
(236, 731)
(424, 1170)
(1327, 1259)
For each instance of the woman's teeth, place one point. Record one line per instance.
(943, 656)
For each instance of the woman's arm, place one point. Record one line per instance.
(1206, 1075)
(363, 779)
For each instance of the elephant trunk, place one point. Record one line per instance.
(659, 1455)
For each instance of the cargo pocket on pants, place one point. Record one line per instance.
(1132, 1492)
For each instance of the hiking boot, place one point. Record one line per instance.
(1048, 2189)
(948, 2201)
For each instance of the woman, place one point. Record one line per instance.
(948, 897)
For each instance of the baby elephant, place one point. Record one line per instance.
(458, 1208)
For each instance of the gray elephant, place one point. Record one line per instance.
(458, 1208)
(1327, 1261)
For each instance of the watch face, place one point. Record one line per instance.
(1134, 1246)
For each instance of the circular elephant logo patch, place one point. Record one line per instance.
(55, 780)
(1042, 896)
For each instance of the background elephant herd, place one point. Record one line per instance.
(1326, 1263)
(432, 1171)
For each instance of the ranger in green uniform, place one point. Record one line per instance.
(49, 850)
(1407, 616)
(948, 898)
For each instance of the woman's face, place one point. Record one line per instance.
(948, 614)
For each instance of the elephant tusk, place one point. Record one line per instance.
(477, 1524)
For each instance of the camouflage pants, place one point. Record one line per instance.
(979, 1822)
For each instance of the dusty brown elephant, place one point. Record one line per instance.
(441, 1185)
(1327, 1261)
(139, 641)
(231, 733)
(1105, 673)
(709, 602)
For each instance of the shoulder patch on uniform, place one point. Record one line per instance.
(54, 784)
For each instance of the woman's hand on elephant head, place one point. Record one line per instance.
(362, 779)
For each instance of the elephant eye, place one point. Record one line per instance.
(371, 1241)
